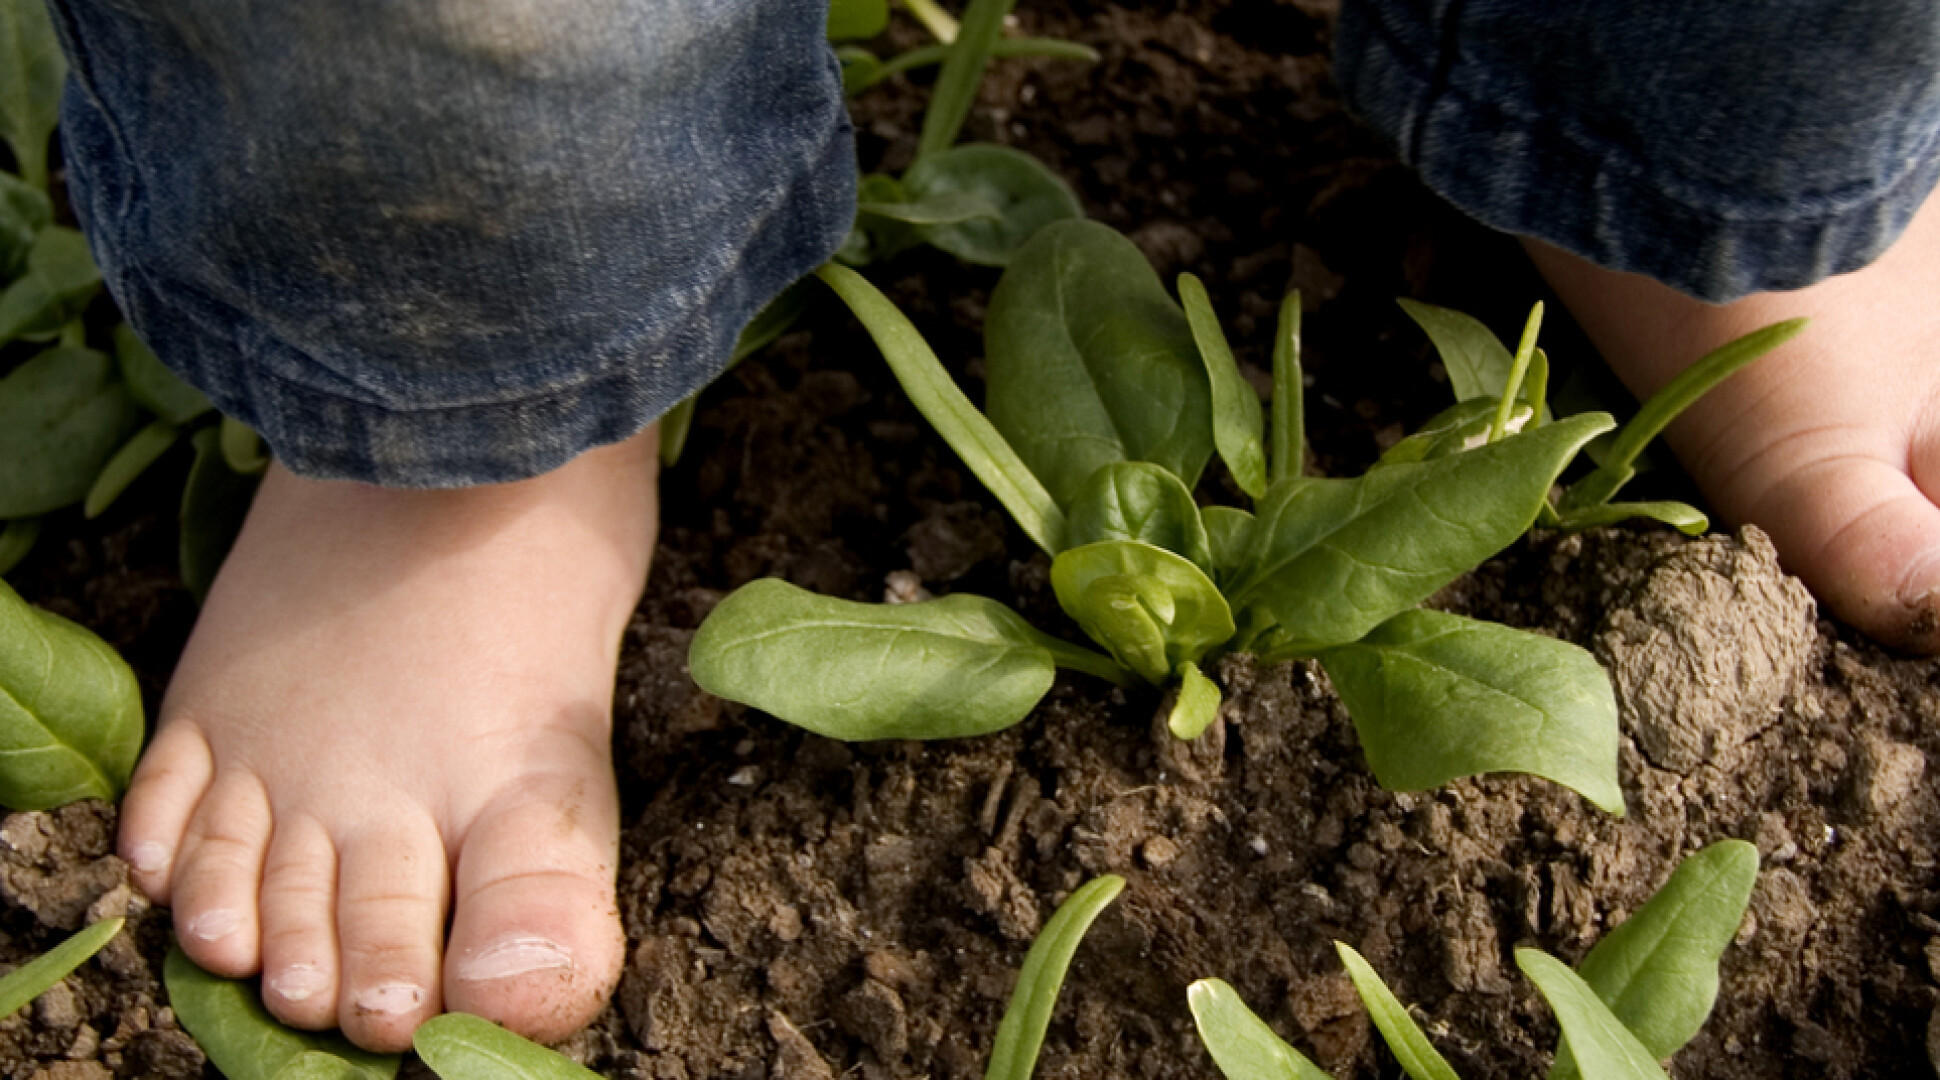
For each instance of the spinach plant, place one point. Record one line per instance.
(70, 711)
(1639, 996)
(227, 1019)
(1106, 401)
(35, 977)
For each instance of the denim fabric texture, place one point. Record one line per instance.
(447, 242)
(1722, 149)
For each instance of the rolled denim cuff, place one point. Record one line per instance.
(1721, 150)
(449, 243)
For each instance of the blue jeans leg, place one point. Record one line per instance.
(447, 242)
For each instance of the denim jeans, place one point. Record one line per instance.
(1721, 148)
(431, 243)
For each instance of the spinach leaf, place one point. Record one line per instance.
(229, 1022)
(1658, 972)
(24, 212)
(851, 20)
(1090, 362)
(1477, 362)
(35, 977)
(860, 68)
(62, 416)
(1332, 559)
(214, 503)
(242, 448)
(1134, 500)
(158, 389)
(316, 1065)
(32, 70)
(60, 280)
(1197, 704)
(1115, 584)
(1289, 419)
(1683, 517)
(962, 665)
(1462, 426)
(1237, 420)
(1606, 1049)
(1241, 1043)
(943, 208)
(70, 712)
(129, 462)
(17, 540)
(1020, 1034)
(1405, 1040)
(956, 84)
(459, 1046)
(1013, 195)
(1435, 696)
(1229, 533)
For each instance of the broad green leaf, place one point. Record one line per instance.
(316, 1065)
(70, 712)
(1014, 193)
(459, 1046)
(1658, 972)
(17, 541)
(229, 1023)
(861, 69)
(1237, 419)
(851, 20)
(214, 503)
(1104, 584)
(1020, 1034)
(1089, 362)
(975, 439)
(1606, 1050)
(956, 84)
(943, 208)
(60, 280)
(1331, 559)
(32, 70)
(1289, 420)
(242, 448)
(1404, 1038)
(1683, 517)
(158, 389)
(129, 462)
(1196, 706)
(1229, 532)
(1476, 360)
(1134, 500)
(1241, 1043)
(941, 669)
(1435, 696)
(24, 212)
(35, 977)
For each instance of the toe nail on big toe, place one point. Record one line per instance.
(515, 956)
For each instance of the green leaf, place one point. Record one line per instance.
(975, 439)
(70, 712)
(133, 459)
(1435, 696)
(927, 55)
(1121, 591)
(942, 208)
(35, 977)
(60, 280)
(1477, 362)
(17, 541)
(316, 1065)
(1020, 1034)
(1237, 420)
(860, 69)
(1229, 533)
(1241, 1043)
(1089, 362)
(228, 1021)
(459, 1046)
(214, 503)
(1197, 705)
(948, 668)
(1014, 194)
(24, 212)
(956, 84)
(158, 389)
(242, 448)
(1683, 517)
(1405, 1040)
(1658, 972)
(675, 423)
(852, 20)
(1134, 500)
(1462, 426)
(1605, 1048)
(32, 70)
(1332, 559)
(1289, 420)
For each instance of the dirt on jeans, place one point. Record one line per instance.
(800, 909)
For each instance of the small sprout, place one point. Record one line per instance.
(35, 977)
(1020, 1034)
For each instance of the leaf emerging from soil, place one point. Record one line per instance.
(1013, 1054)
(70, 711)
(1404, 1037)
(459, 1046)
(33, 978)
(227, 1019)
(1241, 1043)
(1606, 1049)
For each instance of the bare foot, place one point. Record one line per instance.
(1831, 443)
(396, 706)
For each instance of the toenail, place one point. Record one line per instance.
(390, 999)
(214, 925)
(515, 956)
(148, 857)
(300, 982)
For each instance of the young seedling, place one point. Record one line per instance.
(1639, 996)
(1106, 400)
(1020, 1034)
(35, 977)
(70, 711)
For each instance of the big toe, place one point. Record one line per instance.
(535, 940)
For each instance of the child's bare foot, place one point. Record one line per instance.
(1832, 443)
(396, 706)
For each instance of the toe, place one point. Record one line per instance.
(391, 896)
(299, 918)
(536, 942)
(167, 787)
(218, 873)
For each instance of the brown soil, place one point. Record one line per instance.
(801, 909)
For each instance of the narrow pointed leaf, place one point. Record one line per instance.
(944, 208)
(459, 1046)
(1133, 500)
(1683, 517)
(133, 459)
(158, 389)
(1241, 1043)
(1404, 1038)
(956, 84)
(1435, 696)
(1196, 706)
(1237, 420)
(35, 977)
(63, 414)
(70, 711)
(1606, 1050)
(227, 1019)
(32, 70)
(1289, 416)
(1020, 1034)
(1013, 196)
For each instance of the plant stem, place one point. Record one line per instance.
(1524, 350)
(956, 85)
(938, 22)
(1289, 414)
